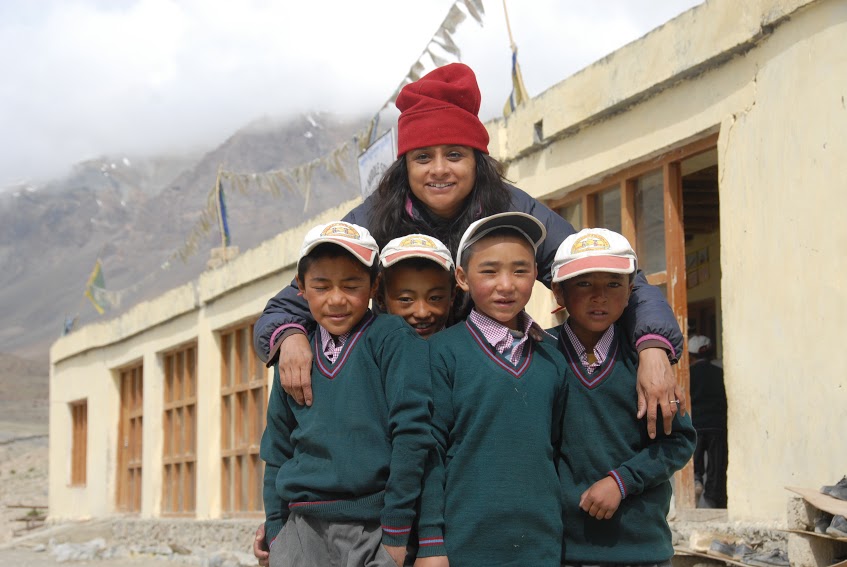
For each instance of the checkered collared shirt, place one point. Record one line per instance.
(331, 346)
(601, 349)
(500, 337)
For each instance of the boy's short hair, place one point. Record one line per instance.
(523, 224)
(336, 239)
(593, 250)
(416, 246)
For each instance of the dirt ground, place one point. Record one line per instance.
(19, 557)
(23, 473)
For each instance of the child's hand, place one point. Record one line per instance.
(602, 499)
(397, 553)
(260, 550)
(437, 561)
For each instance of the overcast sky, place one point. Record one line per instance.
(85, 77)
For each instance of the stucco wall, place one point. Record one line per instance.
(784, 164)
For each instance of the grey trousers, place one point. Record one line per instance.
(312, 542)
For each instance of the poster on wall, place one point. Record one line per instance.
(374, 162)
(697, 267)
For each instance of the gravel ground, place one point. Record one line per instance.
(19, 557)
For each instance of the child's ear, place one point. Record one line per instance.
(462, 279)
(301, 288)
(558, 293)
(375, 295)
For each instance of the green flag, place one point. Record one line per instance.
(96, 287)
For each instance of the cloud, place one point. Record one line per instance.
(86, 77)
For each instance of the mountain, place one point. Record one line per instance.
(136, 213)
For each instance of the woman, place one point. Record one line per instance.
(442, 181)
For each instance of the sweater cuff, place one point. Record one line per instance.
(431, 545)
(395, 530)
(272, 529)
(657, 341)
(620, 482)
(279, 335)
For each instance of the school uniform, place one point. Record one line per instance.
(491, 493)
(601, 436)
(342, 476)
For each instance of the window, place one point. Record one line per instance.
(650, 223)
(79, 441)
(180, 424)
(609, 209)
(131, 383)
(573, 214)
(244, 395)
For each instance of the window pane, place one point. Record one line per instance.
(572, 214)
(650, 223)
(609, 209)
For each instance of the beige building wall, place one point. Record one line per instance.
(767, 76)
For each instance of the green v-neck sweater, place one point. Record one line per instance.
(602, 437)
(358, 452)
(491, 494)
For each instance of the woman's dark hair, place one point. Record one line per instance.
(389, 219)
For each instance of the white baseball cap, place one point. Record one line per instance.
(416, 246)
(593, 250)
(698, 344)
(532, 229)
(352, 237)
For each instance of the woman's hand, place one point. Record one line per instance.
(657, 387)
(260, 550)
(295, 368)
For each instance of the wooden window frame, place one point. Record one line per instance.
(674, 272)
(241, 466)
(79, 442)
(179, 427)
(130, 438)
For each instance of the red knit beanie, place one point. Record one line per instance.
(441, 108)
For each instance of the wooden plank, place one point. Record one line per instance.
(589, 210)
(685, 551)
(821, 501)
(816, 534)
(627, 189)
(678, 300)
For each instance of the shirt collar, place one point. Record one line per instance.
(330, 343)
(496, 333)
(601, 349)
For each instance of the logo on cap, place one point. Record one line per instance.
(590, 243)
(341, 229)
(417, 241)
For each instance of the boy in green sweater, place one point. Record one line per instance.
(491, 494)
(615, 480)
(342, 476)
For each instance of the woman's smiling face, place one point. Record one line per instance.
(442, 177)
